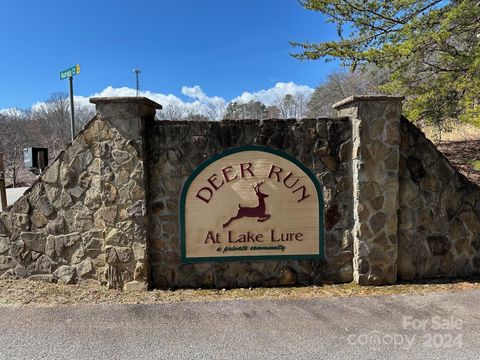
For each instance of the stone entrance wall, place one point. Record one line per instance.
(107, 208)
(175, 149)
(84, 218)
(439, 214)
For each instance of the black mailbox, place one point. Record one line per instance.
(35, 158)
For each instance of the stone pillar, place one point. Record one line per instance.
(123, 179)
(126, 114)
(375, 169)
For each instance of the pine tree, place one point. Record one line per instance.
(431, 48)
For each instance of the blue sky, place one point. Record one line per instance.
(221, 48)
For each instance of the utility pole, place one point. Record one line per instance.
(137, 73)
(3, 192)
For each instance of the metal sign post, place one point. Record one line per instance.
(72, 112)
(68, 73)
(3, 193)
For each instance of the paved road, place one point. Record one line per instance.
(386, 327)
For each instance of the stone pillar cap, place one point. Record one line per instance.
(355, 98)
(125, 99)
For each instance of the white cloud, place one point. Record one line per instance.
(82, 101)
(197, 93)
(125, 91)
(200, 98)
(194, 92)
(12, 112)
(272, 95)
(200, 102)
(77, 100)
(5, 111)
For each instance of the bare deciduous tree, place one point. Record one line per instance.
(46, 125)
(342, 84)
(249, 110)
(14, 139)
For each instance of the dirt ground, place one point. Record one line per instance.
(460, 143)
(37, 293)
(465, 156)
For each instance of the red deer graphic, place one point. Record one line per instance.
(258, 211)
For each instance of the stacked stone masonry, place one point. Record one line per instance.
(375, 162)
(439, 213)
(175, 149)
(84, 218)
(107, 208)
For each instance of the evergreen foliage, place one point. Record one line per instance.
(431, 49)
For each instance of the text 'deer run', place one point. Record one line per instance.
(251, 202)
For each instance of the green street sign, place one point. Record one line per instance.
(74, 70)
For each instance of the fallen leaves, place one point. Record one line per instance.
(36, 293)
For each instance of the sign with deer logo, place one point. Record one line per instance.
(251, 203)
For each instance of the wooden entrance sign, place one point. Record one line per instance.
(251, 203)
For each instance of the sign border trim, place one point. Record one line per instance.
(218, 156)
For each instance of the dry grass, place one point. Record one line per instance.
(461, 145)
(454, 131)
(464, 156)
(36, 293)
